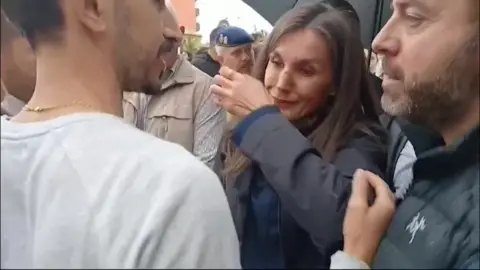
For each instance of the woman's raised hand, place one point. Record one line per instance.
(239, 94)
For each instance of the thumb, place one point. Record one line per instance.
(357, 205)
(383, 193)
(384, 205)
(360, 190)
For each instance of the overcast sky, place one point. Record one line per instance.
(238, 14)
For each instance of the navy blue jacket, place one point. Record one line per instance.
(288, 206)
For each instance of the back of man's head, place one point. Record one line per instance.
(125, 35)
(344, 5)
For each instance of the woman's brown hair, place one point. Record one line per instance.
(353, 104)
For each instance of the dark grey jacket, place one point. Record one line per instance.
(437, 225)
(312, 192)
(205, 63)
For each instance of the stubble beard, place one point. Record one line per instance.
(130, 72)
(441, 102)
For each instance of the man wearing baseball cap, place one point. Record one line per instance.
(234, 49)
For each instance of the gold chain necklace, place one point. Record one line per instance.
(38, 109)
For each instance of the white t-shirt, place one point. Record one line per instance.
(90, 191)
(403, 175)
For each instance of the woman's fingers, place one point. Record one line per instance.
(382, 190)
(221, 92)
(222, 81)
(360, 190)
(230, 73)
(222, 97)
(383, 207)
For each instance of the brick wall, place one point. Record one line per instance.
(187, 14)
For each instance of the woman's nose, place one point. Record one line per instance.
(284, 81)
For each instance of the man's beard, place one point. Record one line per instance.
(441, 102)
(167, 54)
(168, 46)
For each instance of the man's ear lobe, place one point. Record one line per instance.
(93, 15)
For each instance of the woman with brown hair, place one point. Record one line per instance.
(301, 128)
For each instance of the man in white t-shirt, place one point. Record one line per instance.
(80, 187)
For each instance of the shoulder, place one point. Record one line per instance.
(148, 169)
(202, 83)
(201, 78)
(472, 263)
(166, 199)
(200, 58)
(159, 157)
(368, 136)
(367, 144)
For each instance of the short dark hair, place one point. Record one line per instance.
(344, 6)
(37, 20)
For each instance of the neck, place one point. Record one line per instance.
(461, 128)
(76, 76)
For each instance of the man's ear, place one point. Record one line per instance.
(92, 14)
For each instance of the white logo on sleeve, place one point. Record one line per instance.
(417, 224)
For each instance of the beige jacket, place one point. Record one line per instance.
(182, 112)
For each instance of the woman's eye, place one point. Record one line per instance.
(275, 62)
(308, 72)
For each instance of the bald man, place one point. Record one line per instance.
(179, 108)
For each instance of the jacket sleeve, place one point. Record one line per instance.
(209, 122)
(313, 191)
(472, 263)
(341, 260)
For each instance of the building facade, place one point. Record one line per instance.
(187, 15)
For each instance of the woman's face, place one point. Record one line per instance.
(299, 74)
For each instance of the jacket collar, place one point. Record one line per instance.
(442, 161)
(181, 73)
(420, 137)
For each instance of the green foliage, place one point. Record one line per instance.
(259, 35)
(192, 44)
